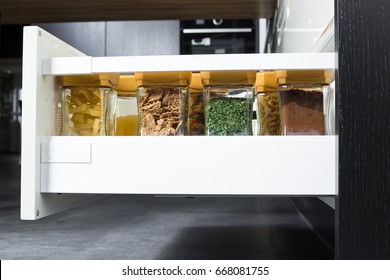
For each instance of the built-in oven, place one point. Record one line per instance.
(218, 36)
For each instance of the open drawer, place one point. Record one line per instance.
(78, 168)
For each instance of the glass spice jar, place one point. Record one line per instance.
(228, 101)
(162, 103)
(267, 96)
(304, 101)
(84, 100)
(195, 122)
(122, 119)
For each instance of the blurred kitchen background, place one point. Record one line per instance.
(10, 87)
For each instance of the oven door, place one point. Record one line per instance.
(218, 40)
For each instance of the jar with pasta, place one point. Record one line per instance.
(122, 114)
(162, 103)
(267, 111)
(84, 102)
(195, 122)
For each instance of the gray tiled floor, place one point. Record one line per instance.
(145, 227)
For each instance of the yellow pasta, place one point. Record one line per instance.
(77, 109)
(269, 119)
(83, 110)
(95, 127)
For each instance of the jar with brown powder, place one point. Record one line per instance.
(162, 103)
(304, 101)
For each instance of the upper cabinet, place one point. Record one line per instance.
(35, 11)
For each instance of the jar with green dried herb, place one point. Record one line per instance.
(228, 101)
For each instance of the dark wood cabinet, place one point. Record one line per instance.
(363, 83)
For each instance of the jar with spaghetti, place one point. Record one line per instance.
(162, 103)
(122, 113)
(195, 120)
(304, 102)
(84, 102)
(267, 111)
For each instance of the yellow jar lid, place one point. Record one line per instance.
(304, 76)
(163, 78)
(94, 80)
(266, 82)
(228, 78)
(196, 85)
(127, 84)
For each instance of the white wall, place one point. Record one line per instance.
(302, 23)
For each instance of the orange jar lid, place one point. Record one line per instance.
(163, 78)
(266, 82)
(127, 84)
(95, 80)
(228, 78)
(196, 85)
(304, 76)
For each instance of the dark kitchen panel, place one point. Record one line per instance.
(11, 41)
(217, 23)
(147, 37)
(363, 102)
(218, 36)
(87, 37)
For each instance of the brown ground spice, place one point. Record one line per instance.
(302, 112)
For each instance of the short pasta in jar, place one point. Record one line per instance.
(84, 101)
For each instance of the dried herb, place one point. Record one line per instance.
(228, 116)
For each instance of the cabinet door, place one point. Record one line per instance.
(143, 37)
